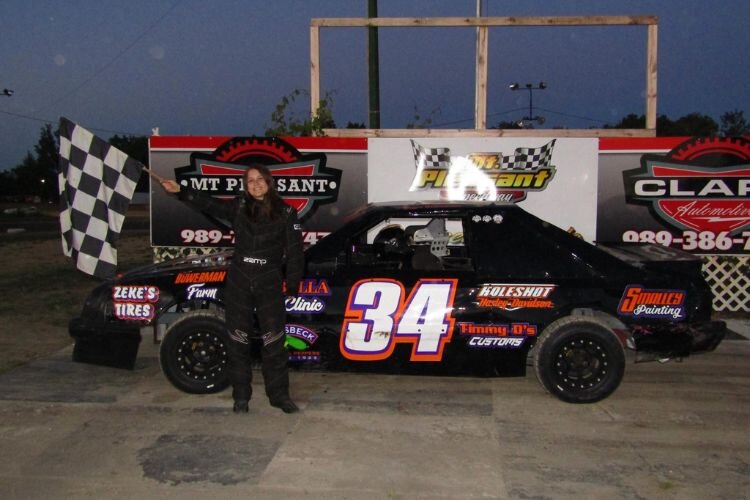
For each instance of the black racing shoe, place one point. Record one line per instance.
(241, 406)
(286, 405)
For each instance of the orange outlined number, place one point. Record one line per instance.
(378, 316)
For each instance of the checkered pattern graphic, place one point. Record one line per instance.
(96, 182)
(529, 158)
(431, 157)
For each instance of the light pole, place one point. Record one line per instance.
(530, 117)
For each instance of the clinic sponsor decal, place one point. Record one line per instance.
(699, 191)
(200, 277)
(380, 313)
(310, 297)
(496, 336)
(134, 303)
(299, 340)
(483, 176)
(640, 302)
(510, 297)
(303, 181)
(201, 291)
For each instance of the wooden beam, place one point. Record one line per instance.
(480, 103)
(353, 22)
(314, 69)
(480, 90)
(651, 77)
(531, 132)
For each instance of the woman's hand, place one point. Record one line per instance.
(170, 186)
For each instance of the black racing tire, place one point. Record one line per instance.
(193, 354)
(579, 359)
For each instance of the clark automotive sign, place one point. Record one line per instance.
(701, 187)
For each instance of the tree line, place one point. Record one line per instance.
(36, 175)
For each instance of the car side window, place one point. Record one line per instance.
(419, 244)
(506, 247)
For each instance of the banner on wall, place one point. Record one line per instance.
(323, 187)
(690, 194)
(553, 178)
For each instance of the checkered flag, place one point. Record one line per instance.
(431, 157)
(96, 182)
(530, 158)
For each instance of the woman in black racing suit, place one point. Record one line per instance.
(268, 240)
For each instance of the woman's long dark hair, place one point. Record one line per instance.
(272, 206)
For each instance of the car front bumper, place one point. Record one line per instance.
(112, 344)
(679, 340)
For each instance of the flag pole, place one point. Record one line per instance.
(154, 174)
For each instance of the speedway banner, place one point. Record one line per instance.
(553, 178)
(685, 193)
(324, 179)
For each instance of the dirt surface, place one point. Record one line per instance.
(41, 291)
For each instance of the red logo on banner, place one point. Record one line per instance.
(303, 181)
(701, 185)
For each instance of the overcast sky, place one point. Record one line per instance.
(196, 67)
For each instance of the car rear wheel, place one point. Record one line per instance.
(579, 360)
(193, 354)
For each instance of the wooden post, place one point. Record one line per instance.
(480, 104)
(480, 92)
(651, 78)
(314, 69)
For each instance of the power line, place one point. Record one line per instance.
(571, 115)
(55, 122)
(472, 119)
(111, 61)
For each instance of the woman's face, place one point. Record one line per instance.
(255, 184)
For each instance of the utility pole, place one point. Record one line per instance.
(373, 69)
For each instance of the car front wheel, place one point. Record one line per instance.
(193, 354)
(579, 360)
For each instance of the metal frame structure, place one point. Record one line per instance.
(482, 25)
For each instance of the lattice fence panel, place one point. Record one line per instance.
(168, 253)
(729, 278)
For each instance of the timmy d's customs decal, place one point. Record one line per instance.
(493, 336)
(640, 302)
(510, 297)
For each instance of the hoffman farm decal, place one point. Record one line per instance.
(303, 181)
(700, 189)
(483, 176)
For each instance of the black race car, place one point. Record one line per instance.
(453, 288)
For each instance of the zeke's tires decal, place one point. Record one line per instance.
(579, 360)
(193, 354)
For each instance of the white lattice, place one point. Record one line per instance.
(729, 278)
(162, 254)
